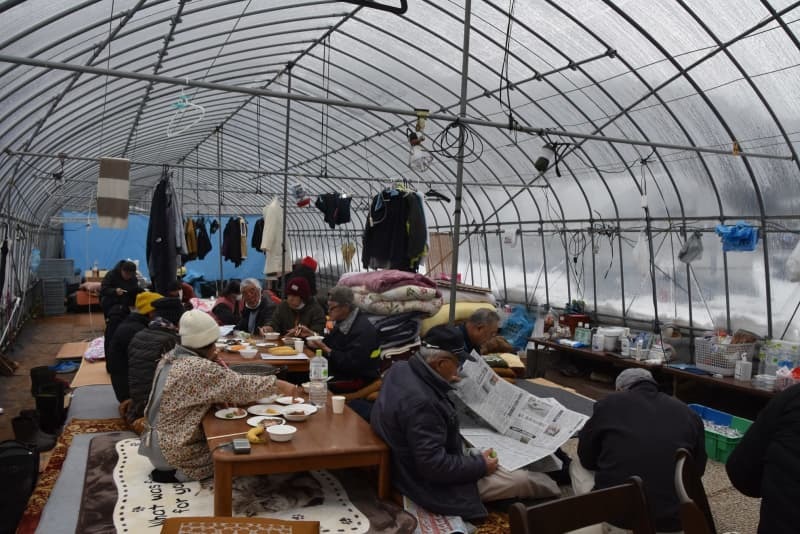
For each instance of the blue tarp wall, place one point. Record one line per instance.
(86, 243)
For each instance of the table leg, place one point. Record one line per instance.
(384, 478)
(223, 489)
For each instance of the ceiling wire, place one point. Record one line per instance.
(105, 83)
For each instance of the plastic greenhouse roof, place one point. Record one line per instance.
(690, 102)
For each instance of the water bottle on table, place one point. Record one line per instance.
(318, 374)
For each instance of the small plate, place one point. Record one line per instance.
(231, 413)
(269, 399)
(315, 338)
(266, 345)
(266, 409)
(307, 408)
(256, 419)
(287, 400)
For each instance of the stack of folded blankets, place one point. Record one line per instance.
(395, 302)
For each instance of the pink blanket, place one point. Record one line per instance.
(380, 281)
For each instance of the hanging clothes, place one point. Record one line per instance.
(271, 240)
(395, 236)
(191, 240)
(232, 241)
(243, 238)
(335, 207)
(166, 241)
(258, 231)
(202, 238)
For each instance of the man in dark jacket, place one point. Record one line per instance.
(298, 310)
(256, 310)
(146, 349)
(636, 431)
(117, 352)
(351, 347)
(418, 421)
(766, 463)
(481, 326)
(118, 292)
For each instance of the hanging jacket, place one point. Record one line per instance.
(161, 244)
(202, 238)
(272, 238)
(385, 234)
(335, 207)
(243, 237)
(258, 231)
(191, 240)
(232, 241)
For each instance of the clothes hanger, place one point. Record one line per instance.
(433, 195)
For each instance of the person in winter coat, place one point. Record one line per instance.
(636, 431)
(226, 307)
(351, 347)
(117, 352)
(118, 292)
(256, 310)
(298, 310)
(144, 352)
(418, 422)
(766, 463)
(189, 382)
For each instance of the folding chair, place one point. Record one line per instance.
(624, 504)
(696, 516)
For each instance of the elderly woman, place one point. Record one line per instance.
(188, 382)
(256, 311)
(299, 314)
(226, 307)
(351, 347)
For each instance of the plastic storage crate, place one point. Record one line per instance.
(718, 446)
(56, 269)
(715, 357)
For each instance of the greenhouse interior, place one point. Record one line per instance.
(577, 192)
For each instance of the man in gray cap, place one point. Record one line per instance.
(636, 431)
(418, 421)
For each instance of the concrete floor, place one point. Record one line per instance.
(36, 345)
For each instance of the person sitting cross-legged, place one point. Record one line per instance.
(417, 420)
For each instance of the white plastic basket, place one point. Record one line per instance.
(720, 358)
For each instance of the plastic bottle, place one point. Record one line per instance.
(95, 270)
(318, 374)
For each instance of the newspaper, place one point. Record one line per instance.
(430, 523)
(520, 427)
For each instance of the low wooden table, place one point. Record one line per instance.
(293, 366)
(323, 441)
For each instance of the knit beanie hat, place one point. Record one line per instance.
(634, 375)
(169, 308)
(197, 329)
(299, 287)
(144, 301)
(309, 262)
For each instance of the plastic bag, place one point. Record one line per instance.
(740, 236)
(692, 249)
(793, 264)
(641, 254)
(518, 328)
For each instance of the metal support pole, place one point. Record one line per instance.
(285, 178)
(99, 71)
(219, 207)
(462, 112)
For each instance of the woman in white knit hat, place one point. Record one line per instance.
(188, 382)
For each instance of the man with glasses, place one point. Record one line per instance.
(418, 421)
(256, 310)
(352, 345)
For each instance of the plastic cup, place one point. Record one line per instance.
(298, 345)
(337, 401)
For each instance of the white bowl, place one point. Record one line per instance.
(248, 354)
(289, 341)
(295, 414)
(306, 387)
(315, 338)
(271, 336)
(281, 432)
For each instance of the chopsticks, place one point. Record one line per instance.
(208, 438)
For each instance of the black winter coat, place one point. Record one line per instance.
(263, 313)
(144, 352)
(351, 356)
(161, 245)
(766, 463)
(418, 421)
(108, 291)
(117, 352)
(637, 432)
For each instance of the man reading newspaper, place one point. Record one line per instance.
(419, 422)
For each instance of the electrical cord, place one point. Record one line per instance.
(446, 142)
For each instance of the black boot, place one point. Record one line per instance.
(26, 429)
(50, 405)
(40, 377)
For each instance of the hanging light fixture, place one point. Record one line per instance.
(419, 159)
(546, 155)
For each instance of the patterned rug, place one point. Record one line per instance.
(38, 499)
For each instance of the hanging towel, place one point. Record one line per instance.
(112, 193)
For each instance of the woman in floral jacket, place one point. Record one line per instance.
(189, 382)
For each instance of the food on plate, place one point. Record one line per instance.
(236, 348)
(235, 412)
(282, 351)
(296, 412)
(272, 411)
